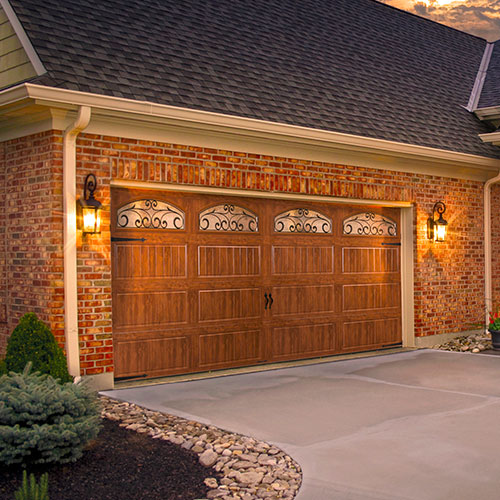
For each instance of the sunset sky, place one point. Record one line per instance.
(479, 17)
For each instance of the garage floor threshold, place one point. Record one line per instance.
(126, 384)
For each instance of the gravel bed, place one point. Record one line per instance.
(251, 469)
(474, 343)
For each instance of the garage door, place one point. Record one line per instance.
(204, 282)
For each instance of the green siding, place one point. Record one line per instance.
(15, 65)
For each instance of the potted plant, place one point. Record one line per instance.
(494, 329)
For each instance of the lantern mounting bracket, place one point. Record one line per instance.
(89, 207)
(436, 228)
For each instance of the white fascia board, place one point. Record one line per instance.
(23, 37)
(490, 113)
(492, 137)
(160, 113)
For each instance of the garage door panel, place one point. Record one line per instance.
(290, 342)
(152, 356)
(358, 334)
(232, 304)
(230, 348)
(364, 260)
(370, 296)
(229, 261)
(310, 299)
(193, 298)
(132, 261)
(299, 259)
(148, 309)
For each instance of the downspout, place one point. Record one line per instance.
(70, 266)
(488, 287)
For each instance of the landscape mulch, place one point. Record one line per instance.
(121, 464)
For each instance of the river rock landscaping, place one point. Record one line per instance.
(249, 469)
(474, 343)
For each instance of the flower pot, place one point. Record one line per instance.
(495, 339)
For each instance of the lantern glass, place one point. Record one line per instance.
(440, 232)
(90, 208)
(91, 220)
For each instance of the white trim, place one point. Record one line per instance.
(407, 279)
(480, 77)
(70, 262)
(23, 38)
(255, 194)
(151, 112)
(493, 137)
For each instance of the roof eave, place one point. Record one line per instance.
(185, 117)
(490, 113)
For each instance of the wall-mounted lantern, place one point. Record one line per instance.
(89, 208)
(436, 228)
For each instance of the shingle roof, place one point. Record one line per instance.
(490, 95)
(353, 66)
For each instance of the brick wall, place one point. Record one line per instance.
(3, 248)
(495, 242)
(449, 276)
(94, 269)
(33, 230)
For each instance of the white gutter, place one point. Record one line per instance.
(248, 127)
(70, 266)
(488, 288)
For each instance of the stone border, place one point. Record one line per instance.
(474, 343)
(251, 469)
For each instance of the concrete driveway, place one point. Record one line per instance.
(416, 425)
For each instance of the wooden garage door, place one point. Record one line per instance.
(205, 282)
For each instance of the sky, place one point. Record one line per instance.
(479, 17)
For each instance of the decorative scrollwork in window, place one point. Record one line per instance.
(150, 214)
(369, 224)
(228, 217)
(302, 220)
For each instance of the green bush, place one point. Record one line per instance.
(43, 421)
(33, 490)
(33, 341)
(3, 367)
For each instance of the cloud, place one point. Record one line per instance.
(479, 17)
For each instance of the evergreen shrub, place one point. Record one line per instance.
(32, 490)
(43, 421)
(33, 341)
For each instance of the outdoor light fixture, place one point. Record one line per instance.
(436, 229)
(90, 208)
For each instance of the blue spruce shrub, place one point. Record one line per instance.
(33, 341)
(43, 421)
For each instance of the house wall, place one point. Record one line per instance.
(15, 65)
(449, 276)
(3, 247)
(495, 243)
(33, 230)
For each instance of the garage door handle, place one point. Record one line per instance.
(272, 300)
(267, 300)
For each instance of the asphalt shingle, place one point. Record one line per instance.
(353, 66)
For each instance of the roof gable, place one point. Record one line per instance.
(352, 66)
(18, 61)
